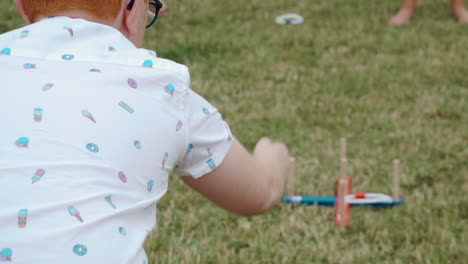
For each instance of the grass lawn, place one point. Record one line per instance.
(392, 92)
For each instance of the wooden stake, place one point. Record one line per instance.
(343, 158)
(344, 167)
(343, 152)
(292, 179)
(396, 180)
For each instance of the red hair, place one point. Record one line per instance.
(104, 9)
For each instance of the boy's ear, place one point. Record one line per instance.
(20, 6)
(131, 16)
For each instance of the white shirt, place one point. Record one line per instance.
(90, 129)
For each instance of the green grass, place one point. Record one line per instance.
(392, 92)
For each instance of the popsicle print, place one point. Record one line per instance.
(38, 114)
(22, 218)
(38, 175)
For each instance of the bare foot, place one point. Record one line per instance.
(461, 14)
(403, 17)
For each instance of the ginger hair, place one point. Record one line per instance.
(103, 9)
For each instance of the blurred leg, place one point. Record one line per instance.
(406, 12)
(459, 10)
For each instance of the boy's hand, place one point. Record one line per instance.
(275, 160)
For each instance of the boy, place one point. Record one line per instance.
(92, 127)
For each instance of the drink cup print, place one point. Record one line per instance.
(38, 114)
(38, 175)
(22, 218)
(211, 163)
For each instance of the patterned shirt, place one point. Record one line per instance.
(91, 128)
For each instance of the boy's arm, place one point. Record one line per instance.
(244, 183)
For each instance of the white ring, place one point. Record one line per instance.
(289, 19)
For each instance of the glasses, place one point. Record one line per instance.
(153, 11)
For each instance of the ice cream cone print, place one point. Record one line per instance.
(22, 142)
(166, 156)
(179, 125)
(88, 115)
(5, 51)
(22, 218)
(189, 149)
(38, 175)
(47, 86)
(5, 254)
(69, 29)
(170, 89)
(108, 199)
(148, 64)
(38, 114)
(73, 212)
(150, 185)
(111, 49)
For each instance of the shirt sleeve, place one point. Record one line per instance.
(209, 138)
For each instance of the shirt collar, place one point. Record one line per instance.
(64, 38)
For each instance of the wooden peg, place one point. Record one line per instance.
(396, 180)
(343, 151)
(292, 179)
(344, 167)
